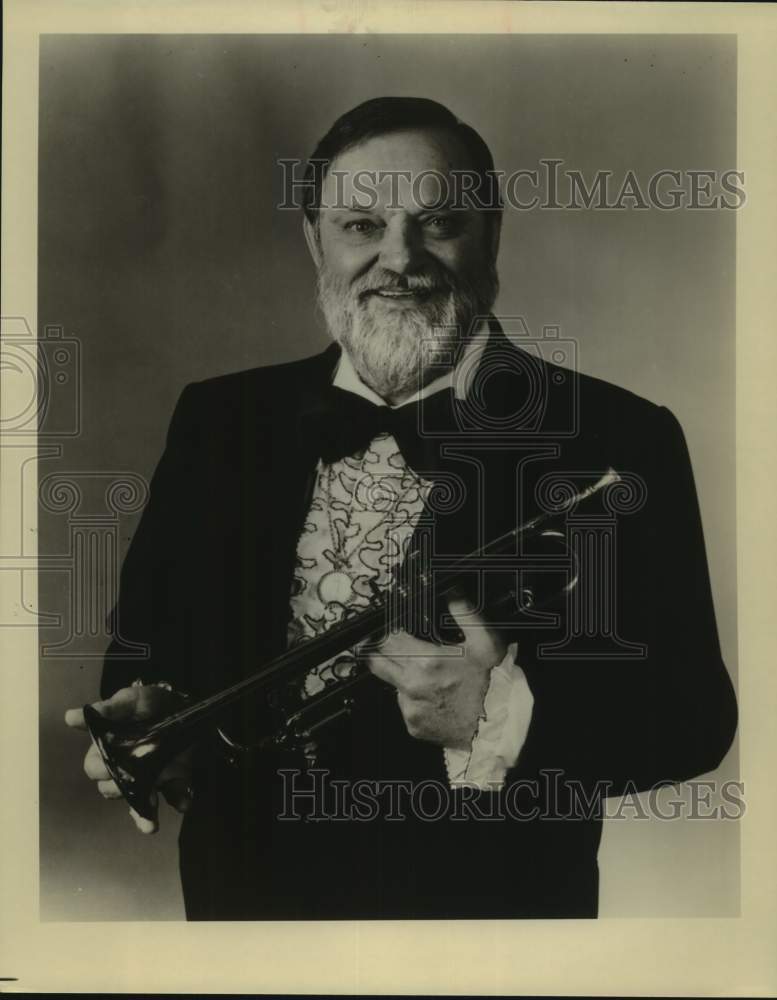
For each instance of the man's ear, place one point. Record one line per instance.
(311, 238)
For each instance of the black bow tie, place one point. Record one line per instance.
(342, 423)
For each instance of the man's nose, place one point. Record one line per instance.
(401, 248)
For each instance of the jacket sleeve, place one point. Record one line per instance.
(634, 722)
(152, 608)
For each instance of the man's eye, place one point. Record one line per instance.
(360, 226)
(440, 223)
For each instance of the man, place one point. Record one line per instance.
(286, 495)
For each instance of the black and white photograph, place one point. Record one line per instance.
(376, 431)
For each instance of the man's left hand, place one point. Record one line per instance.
(441, 689)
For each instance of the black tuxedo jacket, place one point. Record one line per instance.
(644, 700)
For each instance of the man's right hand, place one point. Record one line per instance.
(139, 704)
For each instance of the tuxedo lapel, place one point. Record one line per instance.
(282, 485)
(471, 446)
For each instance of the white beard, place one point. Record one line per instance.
(396, 350)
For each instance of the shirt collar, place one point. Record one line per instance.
(346, 377)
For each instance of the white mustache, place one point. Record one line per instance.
(426, 285)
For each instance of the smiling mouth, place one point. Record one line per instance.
(407, 294)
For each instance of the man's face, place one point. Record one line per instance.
(401, 274)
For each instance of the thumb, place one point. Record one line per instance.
(464, 611)
(479, 637)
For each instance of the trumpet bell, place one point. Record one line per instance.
(132, 757)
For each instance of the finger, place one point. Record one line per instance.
(464, 611)
(143, 824)
(108, 789)
(477, 635)
(121, 705)
(180, 768)
(95, 766)
(74, 717)
(175, 783)
(178, 793)
(402, 644)
(386, 669)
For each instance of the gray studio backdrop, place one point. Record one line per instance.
(162, 255)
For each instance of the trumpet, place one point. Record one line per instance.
(135, 753)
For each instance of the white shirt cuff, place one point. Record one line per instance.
(501, 732)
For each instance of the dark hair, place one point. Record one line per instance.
(383, 115)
